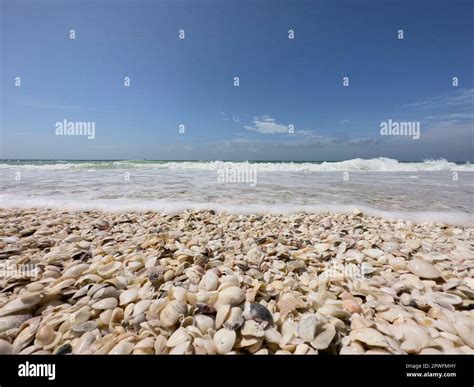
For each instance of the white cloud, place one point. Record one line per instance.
(266, 125)
(458, 98)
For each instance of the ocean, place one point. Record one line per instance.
(435, 190)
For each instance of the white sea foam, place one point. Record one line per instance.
(381, 164)
(428, 191)
(173, 207)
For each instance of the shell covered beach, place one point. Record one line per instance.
(216, 283)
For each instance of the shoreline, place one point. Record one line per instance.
(123, 206)
(206, 282)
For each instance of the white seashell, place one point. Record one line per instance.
(122, 348)
(465, 329)
(252, 328)
(13, 321)
(80, 316)
(204, 323)
(423, 269)
(272, 336)
(59, 287)
(324, 338)
(445, 298)
(307, 327)
(106, 303)
(235, 319)
(109, 269)
(76, 270)
(171, 313)
(373, 253)
(209, 281)
(178, 337)
(128, 296)
(301, 349)
(84, 343)
(322, 247)
(178, 293)
(369, 336)
(415, 338)
(354, 255)
(397, 263)
(222, 314)
(224, 340)
(232, 296)
(22, 303)
(289, 330)
(160, 345)
(147, 342)
(182, 349)
(5, 347)
(141, 307)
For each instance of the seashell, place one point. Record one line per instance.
(109, 269)
(204, 323)
(145, 346)
(423, 269)
(106, 303)
(369, 336)
(209, 281)
(141, 307)
(128, 296)
(307, 327)
(46, 337)
(84, 343)
(397, 263)
(252, 328)
(5, 347)
(235, 319)
(415, 338)
(204, 347)
(224, 340)
(321, 247)
(76, 270)
(182, 349)
(232, 296)
(222, 314)
(160, 345)
(80, 316)
(260, 313)
(178, 293)
(373, 253)
(445, 298)
(289, 330)
(354, 255)
(301, 349)
(351, 306)
(171, 313)
(59, 287)
(324, 339)
(272, 336)
(122, 348)
(288, 302)
(105, 292)
(464, 328)
(13, 321)
(177, 338)
(354, 349)
(85, 326)
(21, 303)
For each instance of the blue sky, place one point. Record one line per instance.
(282, 81)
